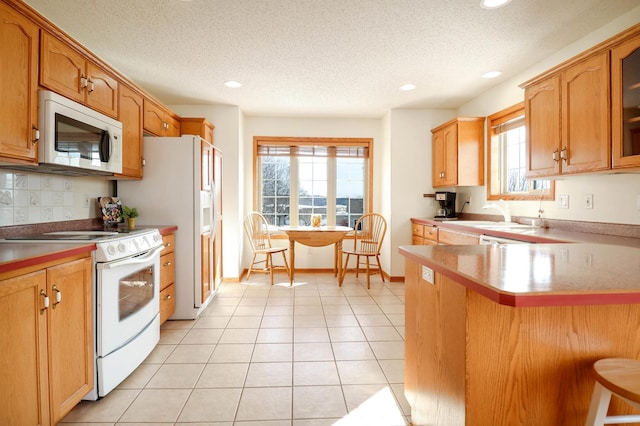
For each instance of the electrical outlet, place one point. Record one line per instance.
(85, 201)
(587, 201)
(563, 201)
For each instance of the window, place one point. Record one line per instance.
(299, 177)
(507, 162)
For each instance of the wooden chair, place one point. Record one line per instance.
(257, 229)
(620, 377)
(369, 235)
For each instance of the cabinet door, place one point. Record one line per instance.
(205, 267)
(625, 98)
(23, 376)
(102, 90)
(62, 69)
(70, 335)
(153, 118)
(131, 108)
(586, 143)
(542, 118)
(172, 125)
(450, 142)
(18, 86)
(438, 158)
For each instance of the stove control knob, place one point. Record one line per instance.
(111, 250)
(122, 248)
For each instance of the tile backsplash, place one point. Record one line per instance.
(27, 198)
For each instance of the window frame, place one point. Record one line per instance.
(493, 121)
(310, 142)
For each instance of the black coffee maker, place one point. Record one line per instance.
(447, 208)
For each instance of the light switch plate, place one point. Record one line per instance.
(427, 274)
(563, 201)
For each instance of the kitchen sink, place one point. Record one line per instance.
(487, 224)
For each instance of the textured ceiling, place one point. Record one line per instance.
(324, 57)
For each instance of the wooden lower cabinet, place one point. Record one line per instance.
(167, 278)
(46, 364)
(422, 234)
(206, 266)
(447, 236)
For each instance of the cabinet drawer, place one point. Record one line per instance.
(430, 233)
(167, 302)
(169, 242)
(417, 229)
(417, 241)
(167, 269)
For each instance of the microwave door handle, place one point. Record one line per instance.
(134, 260)
(105, 147)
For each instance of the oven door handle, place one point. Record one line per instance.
(133, 260)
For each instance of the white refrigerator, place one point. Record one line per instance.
(177, 189)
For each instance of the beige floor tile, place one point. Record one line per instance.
(278, 310)
(220, 300)
(280, 300)
(208, 404)
(366, 309)
(315, 374)
(373, 320)
(212, 321)
(361, 300)
(202, 336)
(337, 310)
(275, 335)
(377, 334)
(309, 321)
(176, 376)
(156, 405)
(272, 352)
(189, 354)
(277, 321)
(311, 402)
(222, 310)
(396, 319)
(388, 300)
(239, 335)
(398, 392)
(317, 422)
(266, 374)
(249, 310)
(392, 309)
(334, 300)
(393, 369)
(312, 300)
(253, 301)
(245, 322)
(159, 354)
(232, 353)
(265, 404)
(140, 377)
(400, 331)
(388, 350)
(346, 334)
(308, 310)
(223, 375)
(341, 321)
(310, 334)
(373, 405)
(360, 373)
(264, 423)
(107, 409)
(352, 351)
(312, 352)
(170, 336)
(177, 324)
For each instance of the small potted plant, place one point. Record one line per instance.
(130, 214)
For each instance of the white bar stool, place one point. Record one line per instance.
(614, 376)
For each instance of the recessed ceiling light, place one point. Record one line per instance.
(407, 87)
(493, 4)
(492, 74)
(233, 84)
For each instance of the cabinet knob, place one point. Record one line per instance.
(168, 297)
(563, 154)
(555, 155)
(58, 296)
(35, 137)
(45, 304)
(83, 82)
(166, 264)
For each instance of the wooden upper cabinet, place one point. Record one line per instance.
(625, 98)
(69, 73)
(586, 135)
(159, 121)
(130, 113)
(18, 86)
(197, 126)
(542, 118)
(458, 153)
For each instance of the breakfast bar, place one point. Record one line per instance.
(500, 335)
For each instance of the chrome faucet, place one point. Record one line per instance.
(503, 208)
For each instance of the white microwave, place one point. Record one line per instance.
(75, 139)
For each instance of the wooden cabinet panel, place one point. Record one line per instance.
(417, 229)
(130, 113)
(67, 72)
(167, 302)
(458, 153)
(18, 86)
(197, 126)
(24, 398)
(542, 118)
(625, 92)
(447, 236)
(431, 233)
(586, 143)
(167, 269)
(159, 121)
(167, 278)
(70, 335)
(169, 242)
(206, 264)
